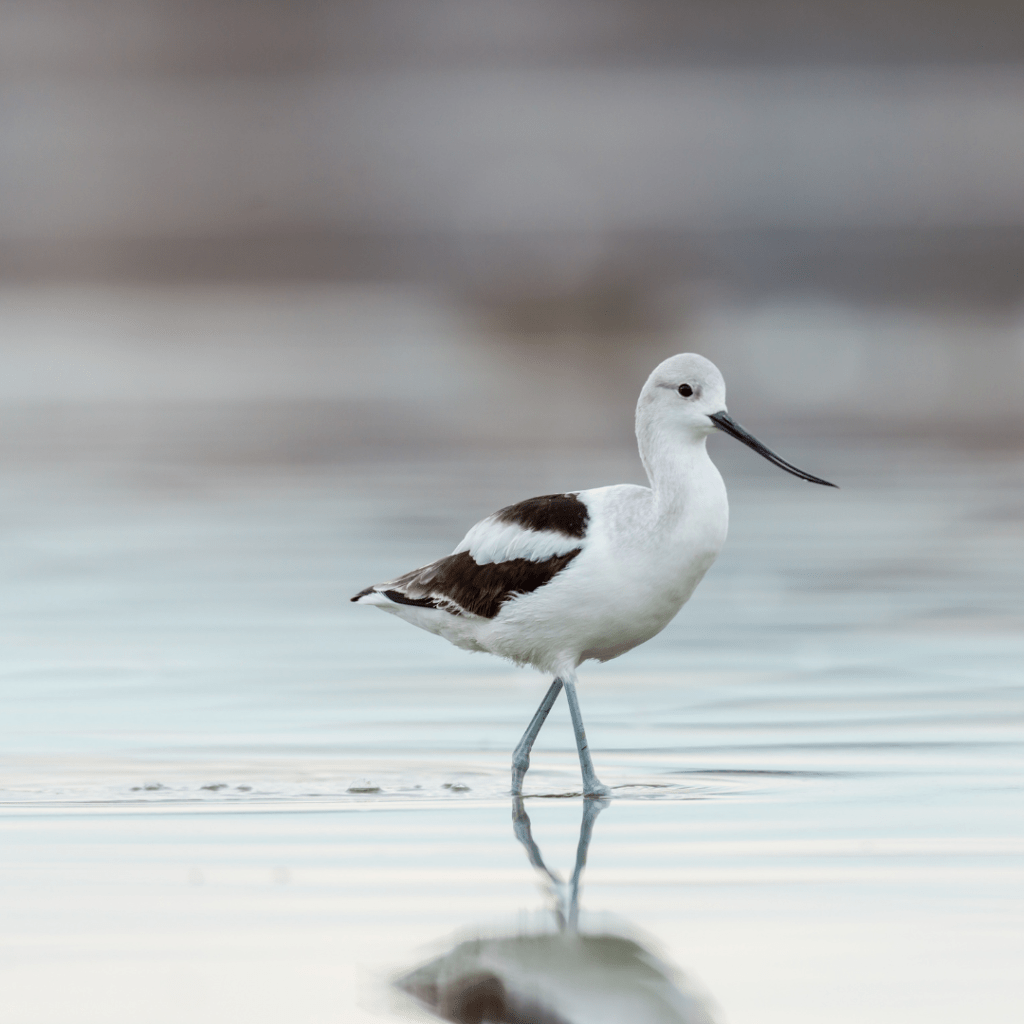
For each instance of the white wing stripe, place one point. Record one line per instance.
(491, 541)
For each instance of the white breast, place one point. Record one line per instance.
(647, 563)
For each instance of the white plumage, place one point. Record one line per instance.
(554, 581)
(494, 541)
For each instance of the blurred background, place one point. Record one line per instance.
(292, 231)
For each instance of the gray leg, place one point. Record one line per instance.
(521, 756)
(592, 785)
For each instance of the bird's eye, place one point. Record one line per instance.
(685, 390)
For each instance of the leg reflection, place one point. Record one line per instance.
(566, 897)
(601, 973)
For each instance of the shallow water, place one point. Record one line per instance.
(225, 793)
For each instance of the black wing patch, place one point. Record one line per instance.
(457, 584)
(558, 513)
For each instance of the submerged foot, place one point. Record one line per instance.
(519, 770)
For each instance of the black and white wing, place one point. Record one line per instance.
(514, 551)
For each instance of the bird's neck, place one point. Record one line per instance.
(680, 472)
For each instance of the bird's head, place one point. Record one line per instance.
(685, 397)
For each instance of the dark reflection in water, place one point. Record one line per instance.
(557, 972)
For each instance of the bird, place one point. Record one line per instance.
(560, 579)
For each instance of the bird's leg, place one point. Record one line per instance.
(592, 785)
(521, 755)
(591, 809)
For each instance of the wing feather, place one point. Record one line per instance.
(513, 552)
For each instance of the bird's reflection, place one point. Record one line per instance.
(566, 898)
(557, 972)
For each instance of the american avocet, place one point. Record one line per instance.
(556, 580)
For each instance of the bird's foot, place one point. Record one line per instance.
(519, 769)
(596, 790)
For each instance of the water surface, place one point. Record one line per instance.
(226, 793)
